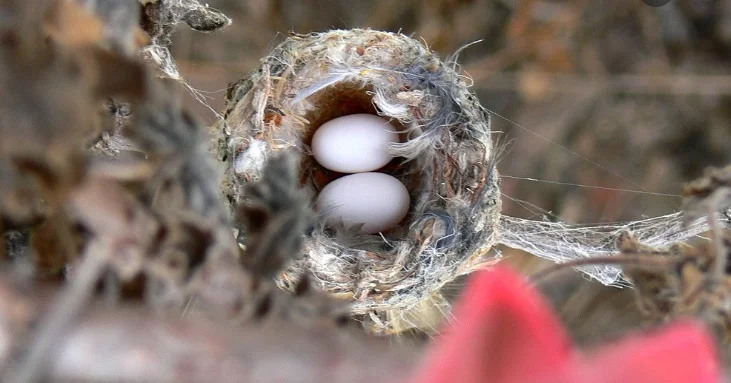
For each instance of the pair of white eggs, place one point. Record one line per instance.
(358, 143)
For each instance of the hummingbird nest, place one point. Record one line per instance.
(445, 158)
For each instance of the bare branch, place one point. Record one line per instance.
(132, 345)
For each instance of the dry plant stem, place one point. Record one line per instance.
(2, 241)
(106, 344)
(721, 259)
(631, 84)
(63, 312)
(111, 212)
(109, 343)
(644, 259)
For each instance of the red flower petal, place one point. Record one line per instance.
(681, 353)
(503, 333)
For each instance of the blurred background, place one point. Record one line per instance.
(602, 110)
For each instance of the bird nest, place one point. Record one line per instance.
(445, 159)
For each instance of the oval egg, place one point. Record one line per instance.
(376, 200)
(354, 143)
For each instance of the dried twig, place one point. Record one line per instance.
(120, 230)
(65, 310)
(124, 344)
(642, 259)
(558, 83)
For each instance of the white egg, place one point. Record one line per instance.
(376, 200)
(354, 143)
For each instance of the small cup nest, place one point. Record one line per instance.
(445, 159)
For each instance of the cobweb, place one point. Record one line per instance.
(560, 242)
(164, 16)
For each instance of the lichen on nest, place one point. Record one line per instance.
(445, 159)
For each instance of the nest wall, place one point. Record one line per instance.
(445, 158)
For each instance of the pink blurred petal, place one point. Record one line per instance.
(503, 333)
(683, 352)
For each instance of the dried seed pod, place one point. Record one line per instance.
(445, 158)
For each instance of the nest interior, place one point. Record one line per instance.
(445, 159)
(339, 100)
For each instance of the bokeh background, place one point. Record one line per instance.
(602, 109)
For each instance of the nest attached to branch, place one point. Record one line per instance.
(445, 158)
